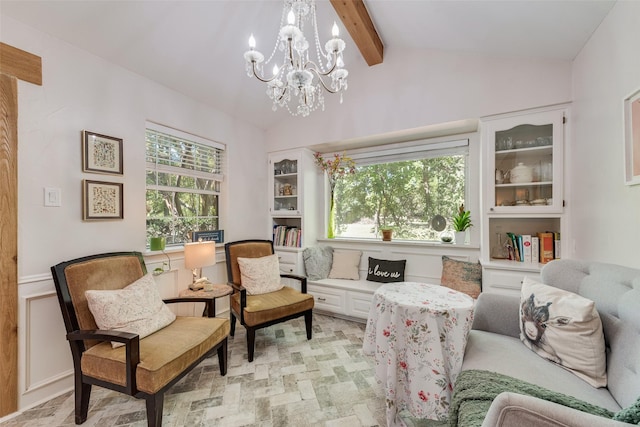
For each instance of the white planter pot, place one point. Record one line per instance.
(461, 236)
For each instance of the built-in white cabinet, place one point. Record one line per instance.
(359, 303)
(503, 279)
(295, 197)
(343, 298)
(328, 299)
(290, 260)
(524, 159)
(523, 190)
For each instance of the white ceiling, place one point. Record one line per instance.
(196, 47)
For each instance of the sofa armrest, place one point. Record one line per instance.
(517, 410)
(497, 313)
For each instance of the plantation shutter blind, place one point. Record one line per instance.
(174, 152)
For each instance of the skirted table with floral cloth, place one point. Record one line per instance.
(417, 333)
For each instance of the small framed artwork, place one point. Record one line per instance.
(101, 153)
(632, 138)
(102, 200)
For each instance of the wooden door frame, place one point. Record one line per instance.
(15, 64)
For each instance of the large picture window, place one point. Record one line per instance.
(184, 177)
(403, 188)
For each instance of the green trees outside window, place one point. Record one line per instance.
(183, 181)
(403, 195)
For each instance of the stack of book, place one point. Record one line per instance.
(287, 236)
(539, 248)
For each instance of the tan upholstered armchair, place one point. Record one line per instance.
(260, 311)
(145, 368)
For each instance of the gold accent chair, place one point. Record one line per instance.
(259, 311)
(144, 368)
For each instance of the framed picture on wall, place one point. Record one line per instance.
(632, 138)
(102, 200)
(101, 153)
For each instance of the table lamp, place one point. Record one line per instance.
(198, 255)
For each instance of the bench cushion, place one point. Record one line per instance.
(163, 355)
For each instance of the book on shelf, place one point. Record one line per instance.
(526, 248)
(520, 248)
(284, 235)
(535, 249)
(514, 244)
(546, 247)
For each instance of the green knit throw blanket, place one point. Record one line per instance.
(475, 390)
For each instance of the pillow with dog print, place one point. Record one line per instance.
(564, 328)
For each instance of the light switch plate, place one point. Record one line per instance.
(52, 197)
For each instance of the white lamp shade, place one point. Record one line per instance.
(199, 254)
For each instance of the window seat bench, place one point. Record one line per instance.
(351, 299)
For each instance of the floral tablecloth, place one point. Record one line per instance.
(417, 333)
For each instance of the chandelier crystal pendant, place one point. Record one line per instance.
(298, 76)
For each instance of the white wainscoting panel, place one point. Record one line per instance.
(45, 367)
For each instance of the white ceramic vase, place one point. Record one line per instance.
(460, 237)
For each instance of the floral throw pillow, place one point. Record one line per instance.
(137, 308)
(260, 275)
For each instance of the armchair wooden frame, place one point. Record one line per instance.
(77, 337)
(266, 248)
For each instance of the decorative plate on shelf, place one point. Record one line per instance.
(438, 223)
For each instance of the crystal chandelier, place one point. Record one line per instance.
(298, 76)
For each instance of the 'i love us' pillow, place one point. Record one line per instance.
(385, 271)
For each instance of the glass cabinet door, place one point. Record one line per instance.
(285, 187)
(525, 163)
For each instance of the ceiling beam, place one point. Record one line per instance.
(20, 64)
(356, 19)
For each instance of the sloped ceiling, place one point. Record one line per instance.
(196, 47)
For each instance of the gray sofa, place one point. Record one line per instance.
(494, 345)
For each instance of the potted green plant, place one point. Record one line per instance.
(461, 222)
(387, 233)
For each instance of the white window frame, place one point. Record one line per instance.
(153, 164)
(414, 150)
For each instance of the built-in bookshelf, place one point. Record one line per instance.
(295, 203)
(513, 233)
(522, 194)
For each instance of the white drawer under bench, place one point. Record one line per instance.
(349, 299)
